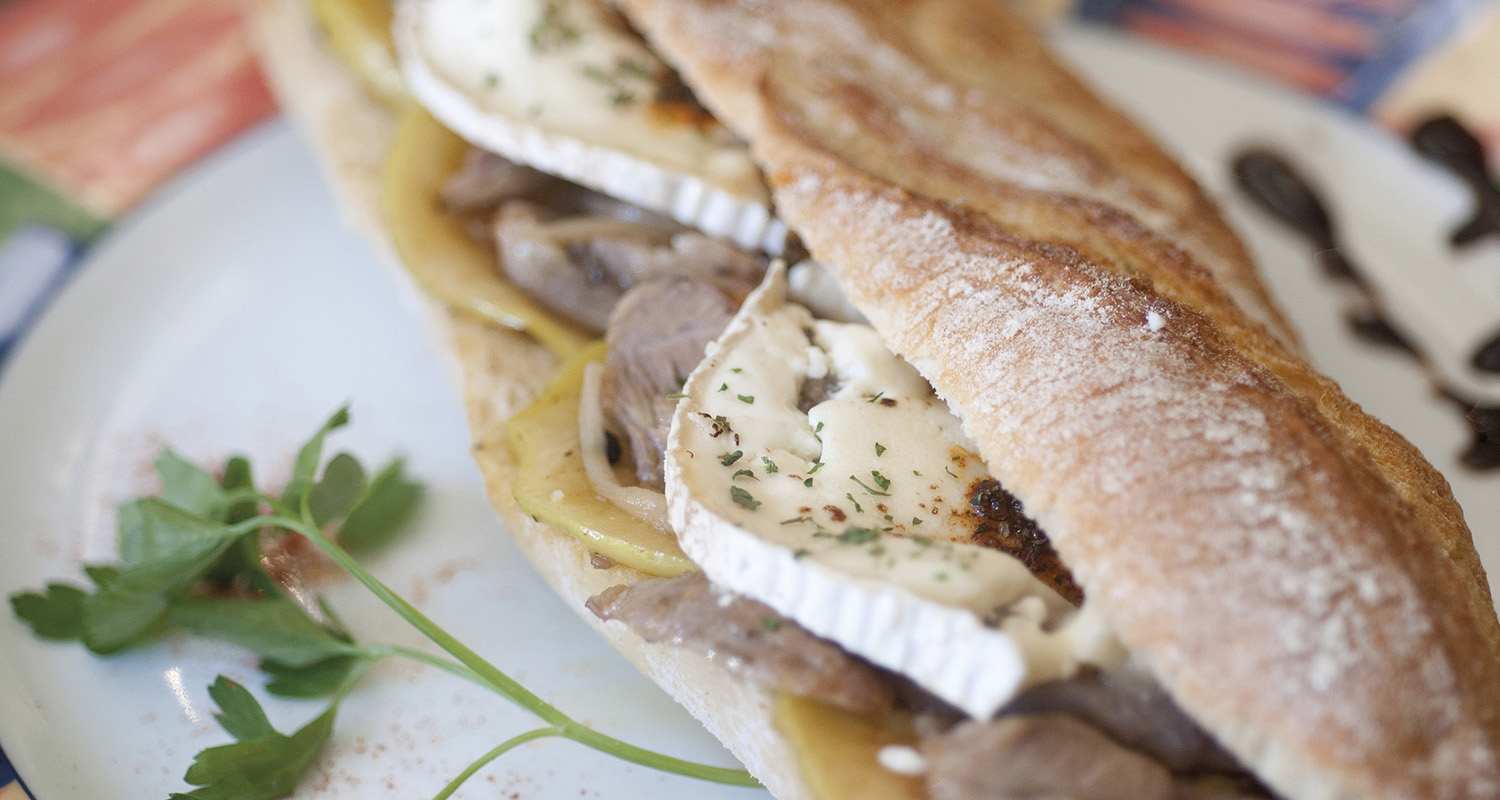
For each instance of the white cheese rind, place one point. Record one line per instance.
(846, 558)
(472, 65)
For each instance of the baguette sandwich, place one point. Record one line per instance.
(1014, 484)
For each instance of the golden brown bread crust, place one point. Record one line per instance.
(1292, 570)
(987, 115)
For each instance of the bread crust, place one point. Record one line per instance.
(1292, 571)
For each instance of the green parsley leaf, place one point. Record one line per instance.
(261, 767)
(743, 473)
(879, 449)
(187, 486)
(313, 680)
(748, 399)
(275, 628)
(744, 498)
(58, 614)
(730, 458)
(174, 551)
(241, 562)
(880, 480)
(238, 713)
(334, 494)
(101, 574)
(857, 535)
(308, 458)
(771, 467)
(153, 529)
(385, 508)
(239, 480)
(868, 489)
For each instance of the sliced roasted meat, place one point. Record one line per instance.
(580, 266)
(656, 337)
(486, 180)
(1039, 757)
(813, 391)
(627, 254)
(1134, 711)
(538, 257)
(745, 636)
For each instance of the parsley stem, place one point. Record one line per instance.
(503, 684)
(500, 750)
(453, 667)
(625, 751)
(493, 677)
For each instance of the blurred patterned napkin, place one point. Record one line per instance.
(101, 101)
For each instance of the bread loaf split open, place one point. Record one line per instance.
(1289, 580)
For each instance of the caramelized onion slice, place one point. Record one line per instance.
(553, 486)
(440, 255)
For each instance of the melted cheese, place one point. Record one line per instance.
(852, 516)
(564, 86)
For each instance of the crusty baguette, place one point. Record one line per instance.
(498, 372)
(1292, 570)
(1298, 576)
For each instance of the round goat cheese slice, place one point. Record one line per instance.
(812, 469)
(564, 86)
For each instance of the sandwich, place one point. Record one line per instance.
(937, 438)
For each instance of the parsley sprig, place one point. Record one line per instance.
(191, 561)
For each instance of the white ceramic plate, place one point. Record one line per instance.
(234, 315)
(236, 312)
